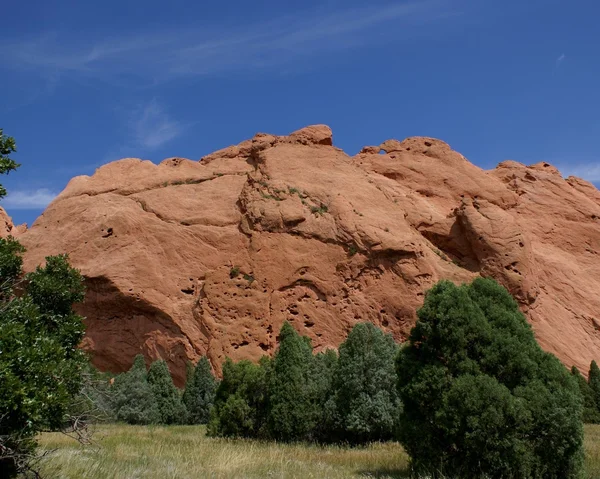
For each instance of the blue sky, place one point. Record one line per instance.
(84, 83)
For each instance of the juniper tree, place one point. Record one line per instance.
(240, 407)
(293, 404)
(364, 386)
(170, 407)
(134, 400)
(199, 394)
(590, 414)
(480, 397)
(594, 381)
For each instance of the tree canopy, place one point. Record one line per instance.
(480, 397)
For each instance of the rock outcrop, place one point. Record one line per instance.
(187, 258)
(7, 228)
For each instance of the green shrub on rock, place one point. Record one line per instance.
(480, 398)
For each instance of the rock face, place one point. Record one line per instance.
(7, 228)
(188, 258)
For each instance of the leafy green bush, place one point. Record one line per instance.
(199, 394)
(364, 386)
(168, 398)
(40, 365)
(480, 398)
(240, 407)
(134, 400)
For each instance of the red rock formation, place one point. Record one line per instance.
(188, 258)
(7, 228)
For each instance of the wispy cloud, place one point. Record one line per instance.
(154, 57)
(560, 59)
(587, 171)
(28, 199)
(151, 126)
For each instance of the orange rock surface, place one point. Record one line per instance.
(187, 258)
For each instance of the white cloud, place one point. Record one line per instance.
(28, 199)
(155, 57)
(560, 59)
(152, 127)
(588, 171)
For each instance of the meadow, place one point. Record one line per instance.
(170, 452)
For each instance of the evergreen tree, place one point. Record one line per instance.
(170, 407)
(365, 395)
(322, 371)
(294, 411)
(199, 394)
(594, 381)
(480, 398)
(134, 400)
(240, 407)
(590, 415)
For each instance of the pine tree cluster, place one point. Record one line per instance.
(142, 396)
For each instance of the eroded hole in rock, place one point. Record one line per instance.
(240, 345)
(308, 323)
(109, 232)
(188, 291)
(263, 346)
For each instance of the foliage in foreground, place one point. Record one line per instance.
(480, 397)
(40, 365)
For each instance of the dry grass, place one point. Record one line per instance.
(185, 452)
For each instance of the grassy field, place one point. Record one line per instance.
(185, 452)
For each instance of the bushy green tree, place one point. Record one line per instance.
(480, 397)
(7, 164)
(133, 398)
(590, 414)
(40, 365)
(168, 397)
(199, 394)
(364, 386)
(241, 400)
(293, 396)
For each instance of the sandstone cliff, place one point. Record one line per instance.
(188, 258)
